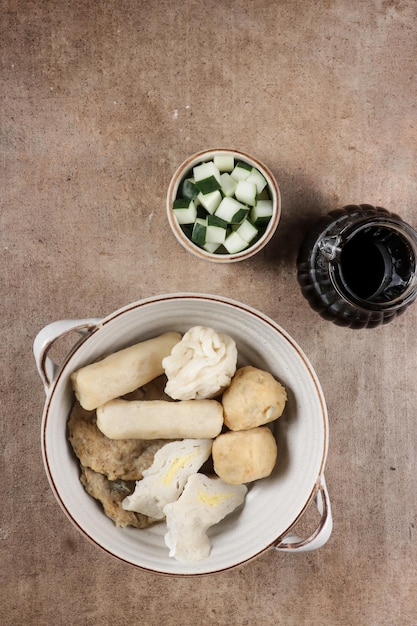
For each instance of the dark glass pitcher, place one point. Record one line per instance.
(358, 266)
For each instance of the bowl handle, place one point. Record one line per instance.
(292, 543)
(46, 338)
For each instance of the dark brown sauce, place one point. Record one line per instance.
(376, 264)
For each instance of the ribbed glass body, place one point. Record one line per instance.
(358, 266)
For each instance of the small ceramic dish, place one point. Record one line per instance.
(273, 505)
(183, 232)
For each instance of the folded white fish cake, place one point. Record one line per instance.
(201, 365)
(204, 502)
(164, 480)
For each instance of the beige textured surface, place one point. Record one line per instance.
(100, 103)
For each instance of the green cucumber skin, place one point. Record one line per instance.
(213, 220)
(197, 231)
(185, 211)
(240, 215)
(244, 166)
(181, 203)
(230, 210)
(262, 222)
(241, 171)
(188, 189)
(210, 201)
(207, 185)
(207, 177)
(261, 213)
(205, 170)
(198, 235)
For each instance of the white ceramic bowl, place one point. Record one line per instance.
(273, 505)
(185, 170)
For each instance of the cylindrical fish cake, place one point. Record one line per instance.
(253, 398)
(123, 371)
(244, 456)
(158, 419)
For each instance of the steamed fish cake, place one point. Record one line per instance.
(122, 372)
(164, 481)
(253, 398)
(204, 502)
(245, 455)
(201, 365)
(158, 419)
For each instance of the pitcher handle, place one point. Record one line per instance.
(46, 338)
(293, 543)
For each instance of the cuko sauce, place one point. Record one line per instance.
(358, 266)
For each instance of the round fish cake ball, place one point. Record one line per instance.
(253, 398)
(244, 456)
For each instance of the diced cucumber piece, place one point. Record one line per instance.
(214, 220)
(207, 177)
(235, 243)
(261, 213)
(210, 201)
(216, 230)
(207, 185)
(264, 195)
(198, 236)
(205, 170)
(241, 171)
(188, 189)
(182, 203)
(240, 215)
(228, 185)
(247, 231)
(215, 234)
(256, 177)
(246, 192)
(231, 211)
(211, 247)
(224, 162)
(185, 211)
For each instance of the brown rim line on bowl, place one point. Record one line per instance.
(182, 238)
(273, 505)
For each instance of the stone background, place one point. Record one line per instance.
(101, 101)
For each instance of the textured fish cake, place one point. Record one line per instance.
(254, 398)
(125, 459)
(245, 455)
(111, 493)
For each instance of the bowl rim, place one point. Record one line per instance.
(174, 183)
(184, 296)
